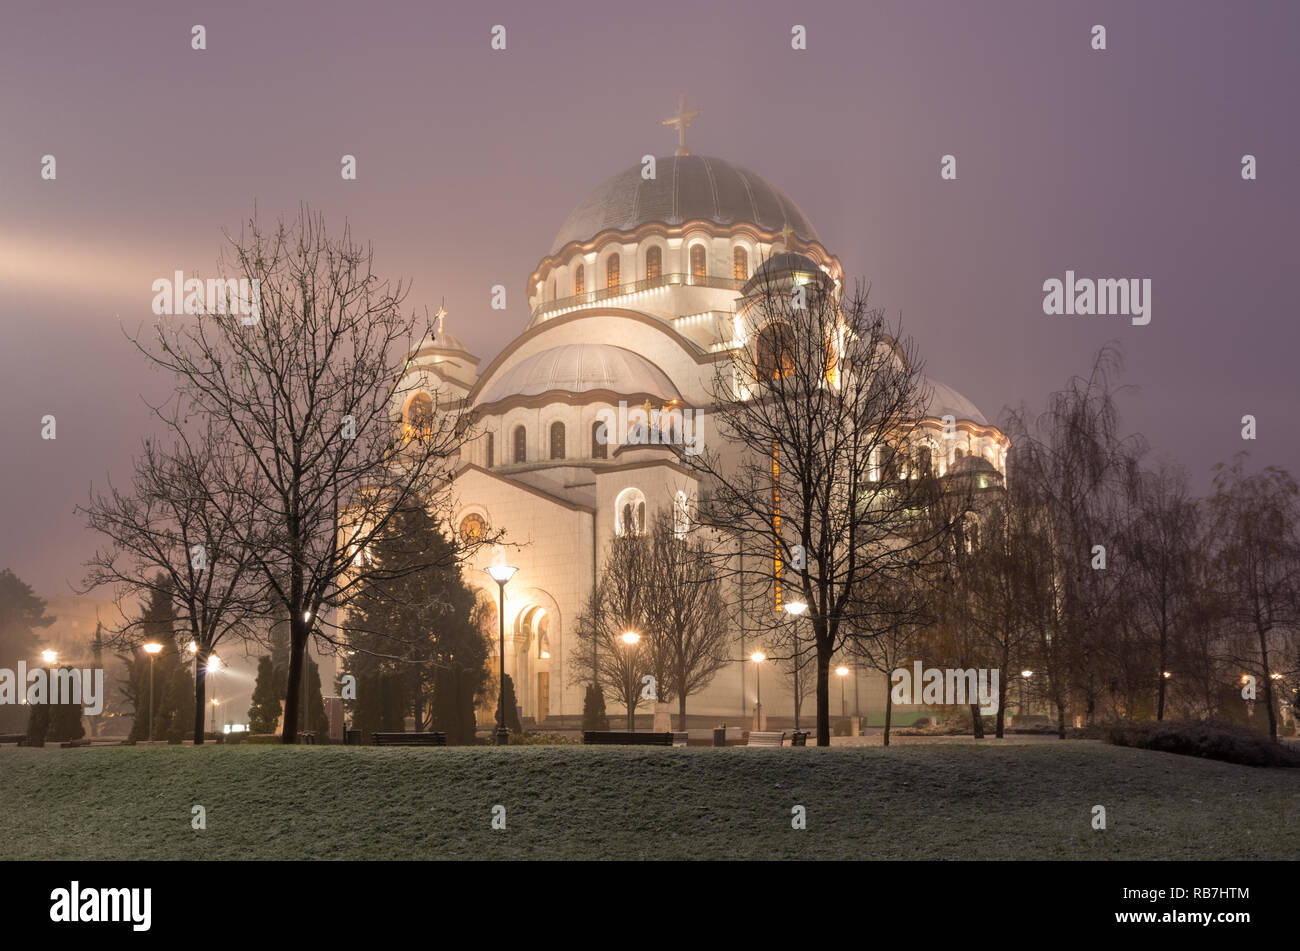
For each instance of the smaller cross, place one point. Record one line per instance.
(681, 120)
(786, 233)
(441, 314)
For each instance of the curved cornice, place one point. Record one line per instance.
(689, 348)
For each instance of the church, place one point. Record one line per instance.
(631, 306)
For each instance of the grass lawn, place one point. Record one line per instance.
(908, 802)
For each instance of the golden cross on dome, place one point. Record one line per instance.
(441, 314)
(681, 120)
(786, 232)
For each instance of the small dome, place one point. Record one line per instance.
(441, 340)
(945, 401)
(787, 262)
(579, 368)
(685, 188)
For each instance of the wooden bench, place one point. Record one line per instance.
(613, 738)
(19, 738)
(409, 739)
(73, 744)
(766, 739)
(681, 739)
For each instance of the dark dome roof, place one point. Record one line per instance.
(787, 262)
(685, 188)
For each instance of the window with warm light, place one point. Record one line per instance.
(599, 440)
(612, 270)
(774, 354)
(740, 264)
(419, 417)
(654, 264)
(579, 280)
(557, 440)
(698, 266)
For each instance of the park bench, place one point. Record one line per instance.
(18, 738)
(681, 738)
(409, 739)
(72, 744)
(766, 739)
(615, 738)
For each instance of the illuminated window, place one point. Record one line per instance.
(521, 444)
(654, 264)
(629, 512)
(681, 515)
(419, 417)
(774, 356)
(579, 280)
(599, 440)
(698, 269)
(557, 440)
(740, 264)
(473, 528)
(611, 270)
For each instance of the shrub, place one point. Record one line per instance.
(235, 738)
(593, 711)
(543, 739)
(1210, 739)
(262, 739)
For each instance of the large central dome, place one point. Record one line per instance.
(685, 188)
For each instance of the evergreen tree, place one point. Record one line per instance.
(54, 722)
(21, 614)
(512, 710)
(593, 710)
(173, 681)
(264, 714)
(416, 649)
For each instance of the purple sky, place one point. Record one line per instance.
(1123, 163)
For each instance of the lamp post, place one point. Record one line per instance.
(632, 639)
(842, 672)
(758, 657)
(1024, 679)
(501, 574)
(152, 649)
(795, 609)
(211, 668)
(215, 703)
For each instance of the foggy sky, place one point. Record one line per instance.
(1123, 163)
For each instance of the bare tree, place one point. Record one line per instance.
(690, 632)
(181, 528)
(1161, 541)
(619, 609)
(1256, 520)
(818, 402)
(306, 391)
(1074, 468)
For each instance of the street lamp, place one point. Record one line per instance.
(215, 703)
(152, 649)
(843, 672)
(795, 609)
(1024, 679)
(49, 656)
(501, 574)
(631, 639)
(758, 657)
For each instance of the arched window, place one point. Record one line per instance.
(681, 515)
(579, 281)
(629, 512)
(698, 269)
(491, 450)
(521, 444)
(611, 270)
(924, 462)
(774, 356)
(740, 264)
(599, 440)
(654, 264)
(557, 440)
(419, 417)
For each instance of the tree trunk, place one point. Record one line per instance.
(823, 693)
(200, 692)
(293, 687)
(681, 713)
(1268, 681)
(889, 712)
(1060, 720)
(977, 721)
